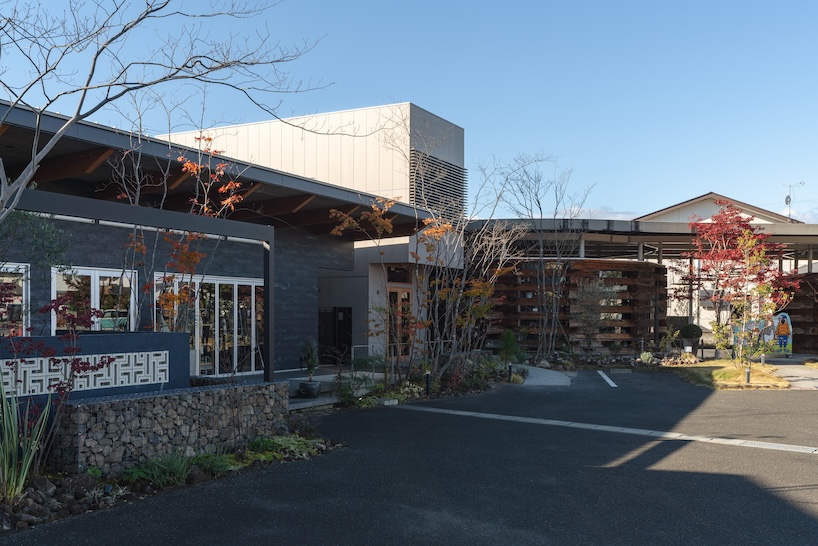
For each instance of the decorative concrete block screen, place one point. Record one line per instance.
(142, 362)
(34, 375)
(115, 433)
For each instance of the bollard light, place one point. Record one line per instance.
(428, 383)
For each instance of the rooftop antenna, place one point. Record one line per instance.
(788, 199)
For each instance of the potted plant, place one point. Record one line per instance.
(690, 334)
(309, 356)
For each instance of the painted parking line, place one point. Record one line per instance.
(654, 434)
(606, 378)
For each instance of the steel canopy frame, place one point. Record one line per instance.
(101, 211)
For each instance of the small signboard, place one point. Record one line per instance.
(782, 333)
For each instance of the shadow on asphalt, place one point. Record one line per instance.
(412, 477)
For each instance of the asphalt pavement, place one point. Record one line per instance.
(611, 458)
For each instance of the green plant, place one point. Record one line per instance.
(117, 491)
(215, 464)
(21, 437)
(290, 446)
(133, 474)
(351, 383)
(367, 402)
(690, 331)
(509, 346)
(668, 339)
(646, 357)
(94, 495)
(169, 470)
(409, 391)
(94, 471)
(310, 355)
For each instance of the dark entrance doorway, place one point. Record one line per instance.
(334, 334)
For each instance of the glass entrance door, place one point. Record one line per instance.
(400, 321)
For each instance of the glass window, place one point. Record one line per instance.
(14, 300)
(75, 289)
(244, 329)
(115, 302)
(207, 329)
(224, 321)
(109, 291)
(227, 325)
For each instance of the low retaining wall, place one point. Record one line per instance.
(115, 433)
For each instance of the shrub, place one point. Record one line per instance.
(349, 384)
(690, 331)
(408, 391)
(646, 357)
(21, 437)
(668, 339)
(291, 446)
(172, 469)
(215, 464)
(134, 474)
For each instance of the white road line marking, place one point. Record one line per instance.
(606, 378)
(656, 434)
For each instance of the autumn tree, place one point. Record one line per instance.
(738, 270)
(457, 259)
(216, 194)
(84, 57)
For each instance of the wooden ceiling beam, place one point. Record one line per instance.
(313, 217)
(270, 208)
(175, 180)
(68, 166)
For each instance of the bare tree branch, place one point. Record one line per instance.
(91, 55)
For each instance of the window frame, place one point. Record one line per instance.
(24, 270)
(95, 273)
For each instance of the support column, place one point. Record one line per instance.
(810, 258)
(690, 291)
(641, 252)
(268, 349)
(661, 252)
(581, 246)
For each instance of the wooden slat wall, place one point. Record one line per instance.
(642, 284)
(803, 310)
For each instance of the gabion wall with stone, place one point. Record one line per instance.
(115, 433)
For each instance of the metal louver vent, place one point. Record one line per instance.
(437, 185)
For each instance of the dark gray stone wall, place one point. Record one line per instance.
(298, 256)
(103, 246)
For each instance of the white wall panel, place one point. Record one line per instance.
(346, 148)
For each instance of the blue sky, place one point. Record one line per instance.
(651, 103)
